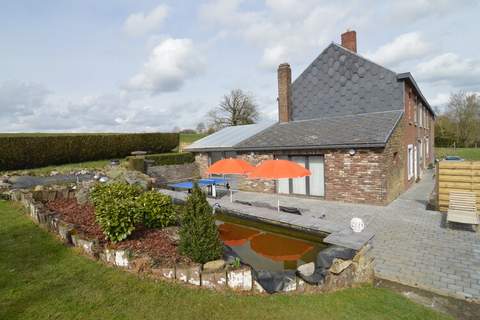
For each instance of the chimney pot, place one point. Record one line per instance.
(349, 40)
(284, 92)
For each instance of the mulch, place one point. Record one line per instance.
(156, 243)
(82, 216)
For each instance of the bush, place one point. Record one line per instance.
(33, 151)
(116, 209)
(171, 158)
(199, 237)
(155, 209)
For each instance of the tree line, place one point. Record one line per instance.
(459, 124)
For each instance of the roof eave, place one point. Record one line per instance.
(408, 76)
(323, 147)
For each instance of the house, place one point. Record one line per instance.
(365, 132)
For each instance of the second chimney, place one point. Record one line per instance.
(349, 40)
(284, 92)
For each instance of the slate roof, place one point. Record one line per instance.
(340, 82)
(226, 138)
(360, 130)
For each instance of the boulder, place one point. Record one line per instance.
(339, 265)
(83, 192)
(39, 188)
(306, 269)
(214, 265)
(173, 233)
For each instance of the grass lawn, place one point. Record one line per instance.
(64, 168)
(472, 154)
(189, 138)
(42, 279)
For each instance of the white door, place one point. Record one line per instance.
(317, 183)
(283, 184)
(298, 184)
(415, 162)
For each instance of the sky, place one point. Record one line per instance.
(142, 66)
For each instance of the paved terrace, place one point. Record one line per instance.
(411, 245)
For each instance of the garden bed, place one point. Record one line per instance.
(159, 244)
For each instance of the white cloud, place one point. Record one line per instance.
(440, 99)
(404, 47)
(141, 23)
(18, 99)
(170, 64)
(412, 10)
(285, 30)
(273, 56)
(450, 68)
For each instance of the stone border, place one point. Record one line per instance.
(354, 272)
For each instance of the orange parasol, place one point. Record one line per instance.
(279, 248)
(230, 166)
(235, 235)
(278, 169)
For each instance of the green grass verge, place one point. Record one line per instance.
(471, 154)
(42, 279)
(65, 168)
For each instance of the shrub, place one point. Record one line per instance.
(33, 151)
(199, 237)
(116, 209)
(171, 158)
(155, 209)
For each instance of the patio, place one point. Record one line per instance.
(411, 245)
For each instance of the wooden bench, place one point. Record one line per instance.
(462, 208)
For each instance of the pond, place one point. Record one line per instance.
(266, 246)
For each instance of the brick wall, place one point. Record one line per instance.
(359, 178)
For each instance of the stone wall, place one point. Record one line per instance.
(341, 274)
(395, 162)
(173, 173)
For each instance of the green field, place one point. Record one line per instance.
(42, 279)
(188, 138)
(471, 154)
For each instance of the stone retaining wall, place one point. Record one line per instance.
(173, 173)
(355, 271)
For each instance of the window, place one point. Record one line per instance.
(410, 163)
(415, 112)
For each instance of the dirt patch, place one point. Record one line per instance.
(159, 244)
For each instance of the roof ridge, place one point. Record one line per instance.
(362, 57)
(345, 115)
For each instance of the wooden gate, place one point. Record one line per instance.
(457, 176)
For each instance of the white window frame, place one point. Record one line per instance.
(410, 161)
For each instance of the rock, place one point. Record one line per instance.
(339, 265)
(306, 269)
(83, 192)
(39, 188)
(54, 173)
(4, 179)
(103, 179)
(214, 265)
(139, 179)
(173, 233)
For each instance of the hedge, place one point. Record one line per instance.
(171, 158)
(23, 152)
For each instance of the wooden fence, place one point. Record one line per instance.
(457, 176)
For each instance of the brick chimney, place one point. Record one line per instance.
(349, 40)
(284, 92)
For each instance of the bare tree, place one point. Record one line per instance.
(464, 111)
(236, 108)
(201, 127)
